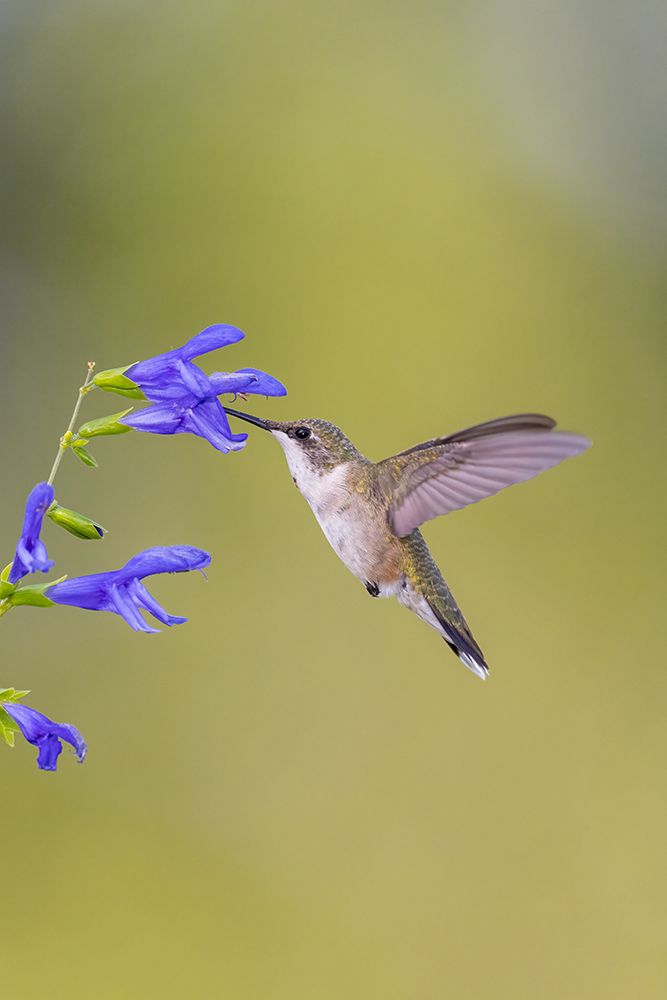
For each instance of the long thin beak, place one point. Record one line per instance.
(266, 425)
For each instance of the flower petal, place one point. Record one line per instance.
(194, 380)
(159, 418)
(164, 559)
(87, 592)
(208, 420)
(210, 339)
(146, 600)
(50, 748)
(124, 605)
(266, 385)
(222, 382)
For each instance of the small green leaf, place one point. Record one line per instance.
(105, 425)
(10, 694)
(6, 589)
(85, 457)
(4, 576)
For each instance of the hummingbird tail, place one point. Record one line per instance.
(425, 592)
(458, 637)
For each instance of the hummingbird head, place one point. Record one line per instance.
(311, 447)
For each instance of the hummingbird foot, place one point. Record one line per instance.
(372, 589)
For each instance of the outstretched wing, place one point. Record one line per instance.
(445, 474)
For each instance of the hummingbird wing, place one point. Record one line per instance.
(449, 473)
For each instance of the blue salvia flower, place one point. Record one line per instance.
(196, 410)
(122, 592)
(184, 398)
(46, 735)
(31, 555)
(159, 377)
(172, 375)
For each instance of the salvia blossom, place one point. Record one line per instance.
(160, 378)
(184, 398)
(46, 735)
(197, 411)
(122, 592)
(31, 555)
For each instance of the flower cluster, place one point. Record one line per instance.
(182, 399)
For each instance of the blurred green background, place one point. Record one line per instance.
(423, 215)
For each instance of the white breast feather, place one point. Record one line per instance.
(332, 504)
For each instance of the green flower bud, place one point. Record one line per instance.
(103, 426)
(114, 380)
(77, 524)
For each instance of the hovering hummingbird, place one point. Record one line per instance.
(370, 512)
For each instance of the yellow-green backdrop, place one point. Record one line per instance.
(423, 215)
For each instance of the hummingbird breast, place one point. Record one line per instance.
(355, 525)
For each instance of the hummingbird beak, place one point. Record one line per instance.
(266, 425)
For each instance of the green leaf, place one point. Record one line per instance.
(6, 571)
(10, 694)
(6, 589)
(85, 456)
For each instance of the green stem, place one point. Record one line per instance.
(67, 436)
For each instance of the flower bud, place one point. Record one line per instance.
(114, 380)
(103, 426)
(77, 524)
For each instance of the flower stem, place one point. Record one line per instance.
(67, 436)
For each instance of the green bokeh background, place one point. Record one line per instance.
(423, 215)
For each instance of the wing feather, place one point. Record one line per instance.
(449, 473)
(518, 421)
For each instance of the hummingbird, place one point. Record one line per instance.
(370, 512)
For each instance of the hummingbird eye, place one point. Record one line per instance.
(302, 432)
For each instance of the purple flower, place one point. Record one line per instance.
(161, 378)
(196, 411)
(173, 376)
(47, 736)
(184, 398)
(31, 554)
(122, 592)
